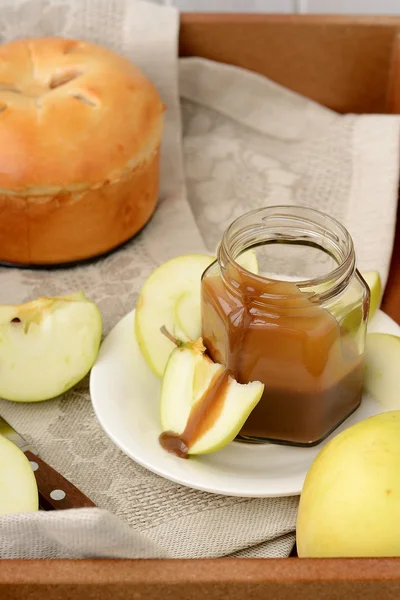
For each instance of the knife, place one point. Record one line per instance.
(55, 492)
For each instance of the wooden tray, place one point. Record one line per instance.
(350, 64)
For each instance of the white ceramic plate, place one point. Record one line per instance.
(125, 396)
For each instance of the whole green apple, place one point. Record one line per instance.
(350, 503)
(18, 488)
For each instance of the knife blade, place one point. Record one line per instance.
(55, 491)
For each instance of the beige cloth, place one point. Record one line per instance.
(247, 143)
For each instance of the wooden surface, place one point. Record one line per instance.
(223, 579)
(349, 64)
(341, 62)
(391, 300)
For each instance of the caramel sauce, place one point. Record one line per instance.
(202, 417)
(272, 332)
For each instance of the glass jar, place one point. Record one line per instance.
(294, 319)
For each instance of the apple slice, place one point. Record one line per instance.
(170, 297)
(202, 407)
(248, 260)
(374, 282)
(18, 489)
(47, 346)
(188, 305)
(383, 369)
(188, 316)
(156, 305)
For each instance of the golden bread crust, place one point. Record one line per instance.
(73, 116)
(71, 226)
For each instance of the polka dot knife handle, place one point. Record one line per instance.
(55, 492)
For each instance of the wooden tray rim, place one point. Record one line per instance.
(211, 571)
(222, 571)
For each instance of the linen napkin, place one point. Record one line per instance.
(247, 143)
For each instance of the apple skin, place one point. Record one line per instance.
(156, 305)
(382, 378)
(373, 280)
(232, 418)
(187, 377)
(350, 503)
(187, 316)
(50, 349)
(170, 297)
(18, 488)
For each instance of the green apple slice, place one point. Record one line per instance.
(188, 376)
(18, 488)
(171, 297)
(156, 305)
(240, 400)
(47, 346)
(383, 368)
(248, 260)
(348, 310)
(374, 282)
(188, 305)
(188, 316)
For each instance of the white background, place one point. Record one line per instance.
(383, 7)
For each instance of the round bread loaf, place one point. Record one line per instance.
(80, 132)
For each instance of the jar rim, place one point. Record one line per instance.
(339, 275)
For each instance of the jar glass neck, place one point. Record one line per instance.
(274, 227)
